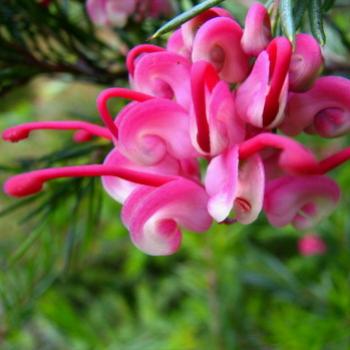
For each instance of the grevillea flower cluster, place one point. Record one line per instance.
(117, 12)
(207, 135)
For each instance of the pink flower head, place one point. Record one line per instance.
(184, 112)
(311, 244)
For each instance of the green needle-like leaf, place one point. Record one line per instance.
(286, 13)
(316, 20)
(185, 16)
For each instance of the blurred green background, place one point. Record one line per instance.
(71, 279)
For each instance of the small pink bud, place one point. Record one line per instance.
(311, 244)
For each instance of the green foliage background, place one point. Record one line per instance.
(71, 279)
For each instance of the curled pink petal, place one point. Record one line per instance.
(311, 244)
(153, 217)
(96, 10)
(305, 64)
(301, 201)
(218, 42)
(137, 51)
(233, 186)
(164, 74)
(325, 107)
(151, 130)
(176, 44)
(189, 28)
(257, 30)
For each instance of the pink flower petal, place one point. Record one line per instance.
(176, 44)
(300, 201)
(96, 10)
(230, 185)
(306, 62)
(311, 244)
(164, 74)
(218, 42)
(153, 216)
(257, 30)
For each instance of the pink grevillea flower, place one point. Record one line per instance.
(110, 12)
(262, 97)
(183, 111)
(324, 109)
(311, 244)
(117, 12)
(257, 30)
(302, 201)
(305, 64)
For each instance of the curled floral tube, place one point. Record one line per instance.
(294, 158)
(305, 64)
(218, 42)
(324, 109)
(301, 201)
(164, 74)
(257, 30)
(262, 97)
(153, 216)
(147, 140)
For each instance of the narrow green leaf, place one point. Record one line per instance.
(298, 12)
(185, 16)
(286, 14)
(316, 20)
(327, 5)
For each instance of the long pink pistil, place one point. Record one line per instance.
(107, 94)
(299, 157)
(203, 75)
(22, 131)
(280, 53)
(32, 182)
(137, 51)
(334, 160)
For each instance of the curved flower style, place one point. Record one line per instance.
(184, 112)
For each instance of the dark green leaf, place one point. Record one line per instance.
(316, 20)
(184, 17)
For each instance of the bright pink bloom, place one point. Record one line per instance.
(257, 30)
(117, 12)
(184, 112)
(311, 244)
(324, 109)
